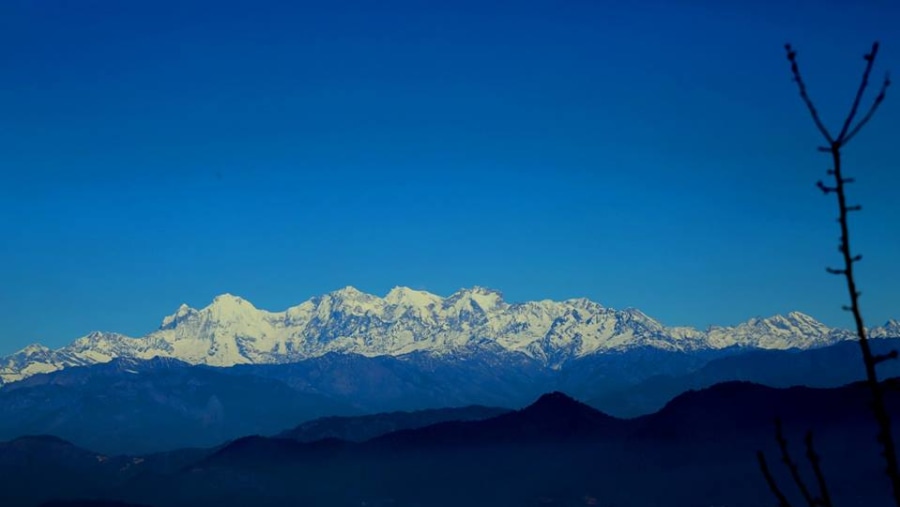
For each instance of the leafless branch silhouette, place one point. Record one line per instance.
(838, 187)
(770, 480)
(813, 458)
(792, 466)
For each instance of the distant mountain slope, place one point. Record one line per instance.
(142, 406)
(554, 417)
(362, 428)
(161, 404)
(832, 366)
(231, 331)
(698, 450)
(413, 382)
(35, 467)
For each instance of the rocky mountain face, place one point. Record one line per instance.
(231, 331)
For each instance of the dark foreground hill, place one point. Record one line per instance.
(698, 450)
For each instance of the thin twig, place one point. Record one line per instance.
(795, 69)
(791, 465)
(870, 61)
(824, 499)
(868, 116)
(764, 467)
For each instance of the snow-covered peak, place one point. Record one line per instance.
(890, 329)
(230, 330)
(792, 323)
(229, 307)
(350, 300)
(34, 349)
(182, 312)
(484, 291)
(584, 303)
(227, 300)
(794, 330)
(404, 296)
(802, 319)
(640, 316)
(349, 292)
(486, 299)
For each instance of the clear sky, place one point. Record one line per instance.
(645, 154)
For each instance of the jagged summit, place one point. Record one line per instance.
(484, 291)
(471, 321)
(183, 311)
(34, 348)
(890, 329)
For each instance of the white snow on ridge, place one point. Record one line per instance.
(231, 331)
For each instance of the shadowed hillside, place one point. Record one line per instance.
(134, 406)
(361, 428)
(831, 366)
(697, 450)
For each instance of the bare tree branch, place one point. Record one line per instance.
(795, 69)
(791, 465)
(870, 360)
(880, 358)
(864, 82)
(764, 467)
(868, 116)
(824, 499)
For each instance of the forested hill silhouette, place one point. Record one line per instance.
(255, 451)
(365, 427)
(832, 366)
(737, 409)
(554, 417)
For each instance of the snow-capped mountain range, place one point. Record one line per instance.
(232, 331)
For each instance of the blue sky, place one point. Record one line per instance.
(653, 155)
